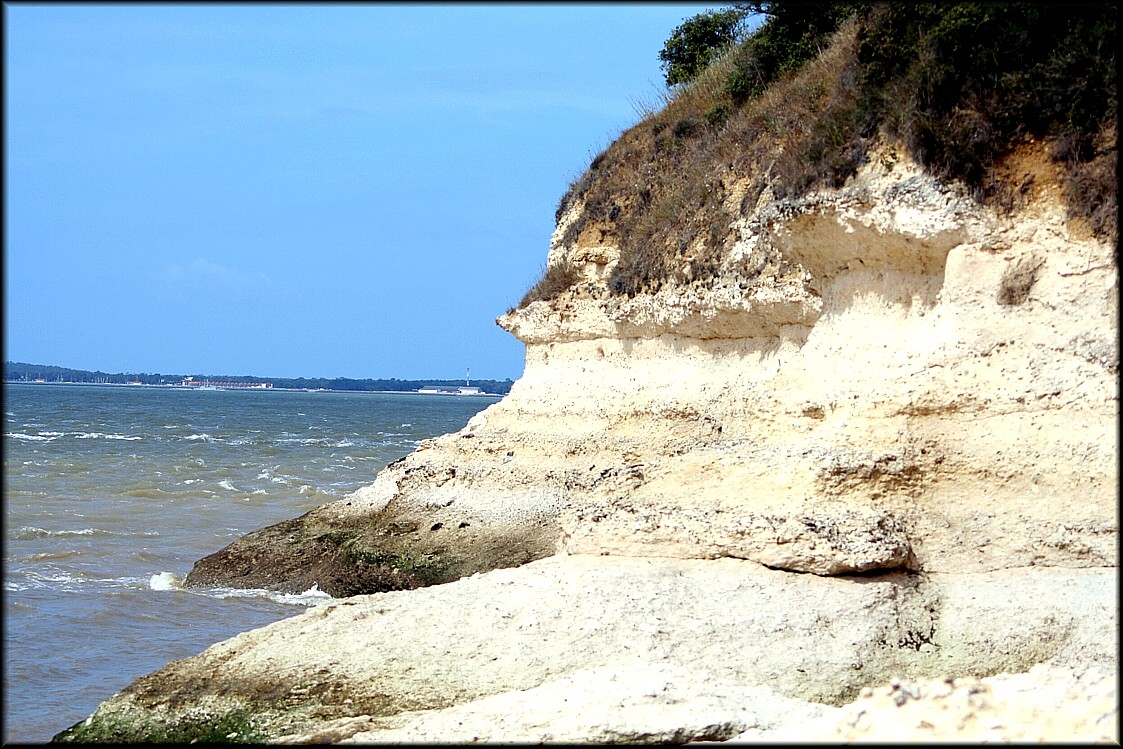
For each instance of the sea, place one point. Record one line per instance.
(111, 493)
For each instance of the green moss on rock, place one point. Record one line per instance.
(231, 727)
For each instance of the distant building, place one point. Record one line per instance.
(191, 382)
(465, 389)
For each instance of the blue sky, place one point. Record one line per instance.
(349, 190)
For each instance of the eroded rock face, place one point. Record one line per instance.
(885, 376)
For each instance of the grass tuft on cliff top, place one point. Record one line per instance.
(798, 104)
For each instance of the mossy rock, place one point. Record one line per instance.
(232, 727)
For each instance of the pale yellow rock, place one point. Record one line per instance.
(1045, 705)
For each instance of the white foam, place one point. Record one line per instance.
(225, 484)
(30, 531)
(104, 436)
(166, 581)
(30, 437)
(311, 597)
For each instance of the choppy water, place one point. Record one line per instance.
(112, 493)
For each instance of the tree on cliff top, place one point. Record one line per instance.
(698, 41)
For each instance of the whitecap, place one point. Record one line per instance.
(199, 438)
(29, 437)
(225, 484)
(28, 532)
(104, 436)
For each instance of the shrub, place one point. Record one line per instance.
(717, 114)
(977, 77)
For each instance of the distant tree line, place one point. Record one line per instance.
(20, 371)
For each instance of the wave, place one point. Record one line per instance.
(104, 436)
(51, 436)
(151, 492)
(50, 556)
(311, 597)
(33, 579)
(28, 532)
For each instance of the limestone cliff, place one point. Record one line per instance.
(878, 437)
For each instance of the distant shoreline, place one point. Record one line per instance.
(258, 390)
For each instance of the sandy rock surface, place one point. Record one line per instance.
(1045, 705)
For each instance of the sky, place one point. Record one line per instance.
(300, 190)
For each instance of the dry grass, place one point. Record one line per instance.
(556, 279)
(661, 191)
(667, 190)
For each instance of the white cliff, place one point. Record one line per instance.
(881, 444)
